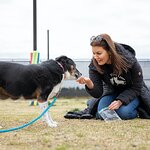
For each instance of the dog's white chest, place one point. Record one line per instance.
(56, 89)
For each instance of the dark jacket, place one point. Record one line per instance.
(128, 85)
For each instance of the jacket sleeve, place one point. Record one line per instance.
(97, 91)
(137, 83)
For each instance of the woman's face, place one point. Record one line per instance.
(101, 55)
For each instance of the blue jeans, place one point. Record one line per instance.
(124, 111)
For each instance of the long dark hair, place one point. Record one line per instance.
(118, 62)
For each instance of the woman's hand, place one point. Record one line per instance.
(87, 81)
(115, 105)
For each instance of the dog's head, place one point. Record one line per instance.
(69, 67)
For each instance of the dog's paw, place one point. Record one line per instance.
(54, 122)
(52, 125)
(43, 120)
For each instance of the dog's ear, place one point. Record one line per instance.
(60, 58)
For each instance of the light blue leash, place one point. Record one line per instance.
(32, 121)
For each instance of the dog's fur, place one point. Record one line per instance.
(41, 81)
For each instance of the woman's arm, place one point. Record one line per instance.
(137, 83)
(93, 84)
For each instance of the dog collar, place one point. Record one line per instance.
(61, 66)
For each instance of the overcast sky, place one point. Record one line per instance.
(71, 23)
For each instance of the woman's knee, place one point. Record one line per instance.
(129, 111)
(105, 101)
(126, 113)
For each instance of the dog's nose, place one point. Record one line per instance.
(78, 74)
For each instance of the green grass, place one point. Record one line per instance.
(74, 134)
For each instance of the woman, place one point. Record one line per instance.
(116, 79)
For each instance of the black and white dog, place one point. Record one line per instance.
(42, 81)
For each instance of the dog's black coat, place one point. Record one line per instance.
(34, 80)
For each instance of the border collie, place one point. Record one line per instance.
(41, 81)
